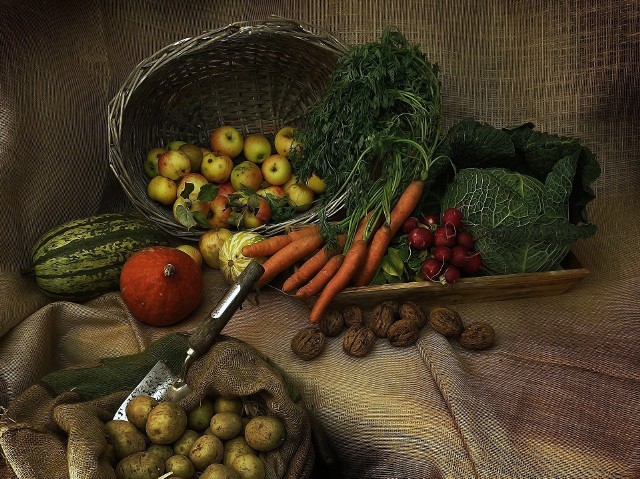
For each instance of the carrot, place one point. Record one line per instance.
(289, 255)
(322, 277)
(352, 261)
(382, 238)
(270, 246)
(310, 267)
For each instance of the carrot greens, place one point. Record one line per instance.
(374, 132)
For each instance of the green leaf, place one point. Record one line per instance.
(208, 192)
(201, 219)
(392, 263)
(184, 217)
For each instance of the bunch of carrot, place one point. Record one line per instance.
(325, 271)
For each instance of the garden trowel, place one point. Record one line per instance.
(160, 382)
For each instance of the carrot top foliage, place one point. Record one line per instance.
(375, 130)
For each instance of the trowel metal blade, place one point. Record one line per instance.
(158, 383)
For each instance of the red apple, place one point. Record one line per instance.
(219, 212)
(174, 164)
(227, 140)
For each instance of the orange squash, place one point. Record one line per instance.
(161, 285)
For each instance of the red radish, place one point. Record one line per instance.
(459, 256)
(431, 220)
(453, 217)
(431, 268)
(420, 238)
(444, 236)
(473, 264)
(451, 274)
(410, 224)
(465, 239)
(442, 253)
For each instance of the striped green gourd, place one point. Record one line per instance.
(82, 259)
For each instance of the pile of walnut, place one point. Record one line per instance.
(399, 323)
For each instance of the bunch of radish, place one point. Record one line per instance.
(450, 247)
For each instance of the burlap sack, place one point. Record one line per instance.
(47, 433)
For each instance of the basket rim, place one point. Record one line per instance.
(118, 104)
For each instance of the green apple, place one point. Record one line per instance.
(276, 170)
(285, 141)
(300, 197)
(219, 212)
(175, 144)
(197, 180)
(174, 164)
(274, 191)
(246, 174)
(162, 190)
(216, 167)
(256, 148)
(256, 211)
(227, 140)
(191, 251)
(194, 153)
(316, 184)
(151, 161)
(292, 181)
(210, 243)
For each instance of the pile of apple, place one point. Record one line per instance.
(450, 248)
(236, 183)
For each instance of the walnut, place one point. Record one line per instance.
(308, 343)
(393, 305)
(358, 341)
(410, 310)
(331, 323)
(403, 332)
(446, 321)
(381, 318)
(478, 335)
(352, 316)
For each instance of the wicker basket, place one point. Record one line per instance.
(257, 76)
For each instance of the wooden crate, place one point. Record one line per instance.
(467, 290)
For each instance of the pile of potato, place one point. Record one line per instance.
(216, 440)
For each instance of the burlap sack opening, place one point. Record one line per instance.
(44, 434)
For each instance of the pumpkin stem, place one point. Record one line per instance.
(169, 270)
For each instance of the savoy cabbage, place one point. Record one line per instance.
(523, 193)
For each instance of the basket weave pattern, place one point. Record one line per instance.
(257, 76)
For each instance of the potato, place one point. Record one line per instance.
(222, 404)
(109, 454)
(138, 410)
(140, 465)
(181, 467)
(166, 423)
(248, 466)
(226, 425)
(219, 471)
(207, 449)
(125, 438)
(236, 447)
(264, 433)
(199, 417)
(183, 443)
(164, 451)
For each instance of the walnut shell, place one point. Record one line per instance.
(411, 310)
(308, 343)
(477, 335)
(352, 316)
(331, 324)
(381, 318)
(358, 341)
(403, 332)
(446, 321)
(393, 305)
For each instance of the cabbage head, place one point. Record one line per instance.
(521, 224)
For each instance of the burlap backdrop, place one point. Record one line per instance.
(558, 396)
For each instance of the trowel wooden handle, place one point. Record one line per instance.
(202, 339)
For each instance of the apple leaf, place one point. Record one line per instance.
(201, 219)
(184, 217)
(208, 192)
(188, 189)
